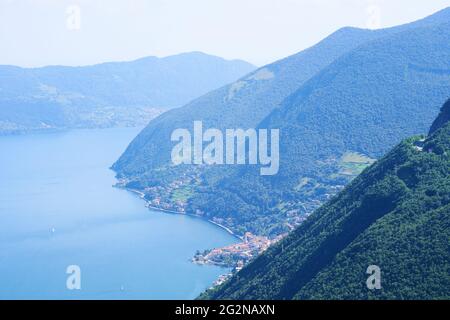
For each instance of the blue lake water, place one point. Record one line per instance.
(58, 208)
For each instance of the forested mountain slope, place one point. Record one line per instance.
(395, 215)
(334, 119)
(357, 108)
(241, 104)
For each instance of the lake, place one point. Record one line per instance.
(58, 208)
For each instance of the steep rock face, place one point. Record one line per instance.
(394, 216)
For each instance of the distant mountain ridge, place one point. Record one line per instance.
(394, 216)
(102, 94)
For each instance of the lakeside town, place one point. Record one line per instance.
(173, 198)
(236, 255)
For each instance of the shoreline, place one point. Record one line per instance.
(142, 196)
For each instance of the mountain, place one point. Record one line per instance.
(243, 103)
(395, 216)
(350, 113)
(109, 93)
(338, 105)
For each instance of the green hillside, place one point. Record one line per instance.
(365, 102)
(395, 215)
(241, 104)
(357, 92)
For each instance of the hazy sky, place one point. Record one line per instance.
(80, 32)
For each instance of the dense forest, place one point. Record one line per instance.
(395, 215)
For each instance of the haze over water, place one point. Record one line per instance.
(58, 208)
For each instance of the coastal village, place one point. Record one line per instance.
(173, 198)
(236, 255)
